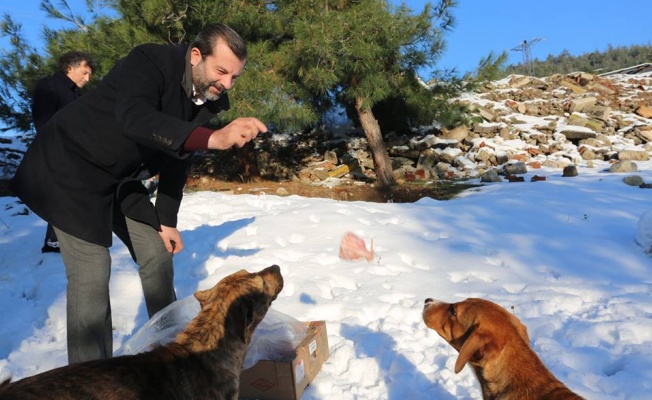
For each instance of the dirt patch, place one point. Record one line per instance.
(344, 191)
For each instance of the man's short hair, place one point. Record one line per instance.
(206, 39)
(74, 59)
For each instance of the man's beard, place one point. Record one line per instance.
(202, 86)
(204, 89)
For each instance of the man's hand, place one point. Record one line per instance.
(171, 238)
(237, 133)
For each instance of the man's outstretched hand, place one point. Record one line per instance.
(237, 133)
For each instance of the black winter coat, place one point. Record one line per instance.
(93, 154)
(51, 94)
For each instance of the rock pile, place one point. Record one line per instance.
(523, 123)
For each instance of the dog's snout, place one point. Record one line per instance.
(430, 302)
(273, 279)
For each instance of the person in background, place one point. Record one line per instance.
(84, 173)
(51, 94)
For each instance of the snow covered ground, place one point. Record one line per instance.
(562, 252)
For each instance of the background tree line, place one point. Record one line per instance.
(596, 62)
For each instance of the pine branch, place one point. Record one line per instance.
(67, 15)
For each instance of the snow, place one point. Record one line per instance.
(569, 256)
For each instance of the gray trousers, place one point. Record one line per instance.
(88, 270)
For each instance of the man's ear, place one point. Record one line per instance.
(472, 349)
(195, 56)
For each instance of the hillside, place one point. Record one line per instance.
(523, 124)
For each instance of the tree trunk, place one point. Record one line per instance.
(382, 162)
(248, 162)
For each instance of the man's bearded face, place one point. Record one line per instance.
(212, 90)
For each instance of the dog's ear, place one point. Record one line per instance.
(520, 328)
(242, 318)
(202, 296)
(522, 331)
(473, 348)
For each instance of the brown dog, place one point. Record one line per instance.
(203, 362)
(497, 346)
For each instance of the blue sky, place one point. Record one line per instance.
(579, 26)
(483, 26)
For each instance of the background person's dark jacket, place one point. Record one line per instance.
(94, 152)
(51, 94)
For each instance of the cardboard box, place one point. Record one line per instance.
(286, 380)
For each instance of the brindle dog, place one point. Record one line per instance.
(203, 362)
(496, 344)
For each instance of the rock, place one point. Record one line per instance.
(459, 134)
(422, 144)
(577, 120)
(577, 105)
(602, 89)
(330, 156)
(572, 86)
(486, 114)
(599, 112)
(448, 155)
(427, 159)
(624, 166)
(491, 176)
(577, 134)
(569, 171)
(515, 168)
(487, 128)
(634, 155)
(633, 180)
(339, 171)
(644, 134)
(587, 153)
(519, 81)
(320, 173)
(282, 192)
(513, 178)
(644, 111)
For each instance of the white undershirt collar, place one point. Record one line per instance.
(198, 99)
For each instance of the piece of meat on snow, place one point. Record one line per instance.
(352, 247)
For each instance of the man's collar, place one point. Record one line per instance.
(197, 98)
(69, 82)
(187, 76)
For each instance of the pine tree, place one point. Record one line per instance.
(22, 65)
(20, 68)
(361, 52)
(304, 55)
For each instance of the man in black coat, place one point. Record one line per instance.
(51, 94)
(84, 174)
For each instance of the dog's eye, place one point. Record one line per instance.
(451, 310)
